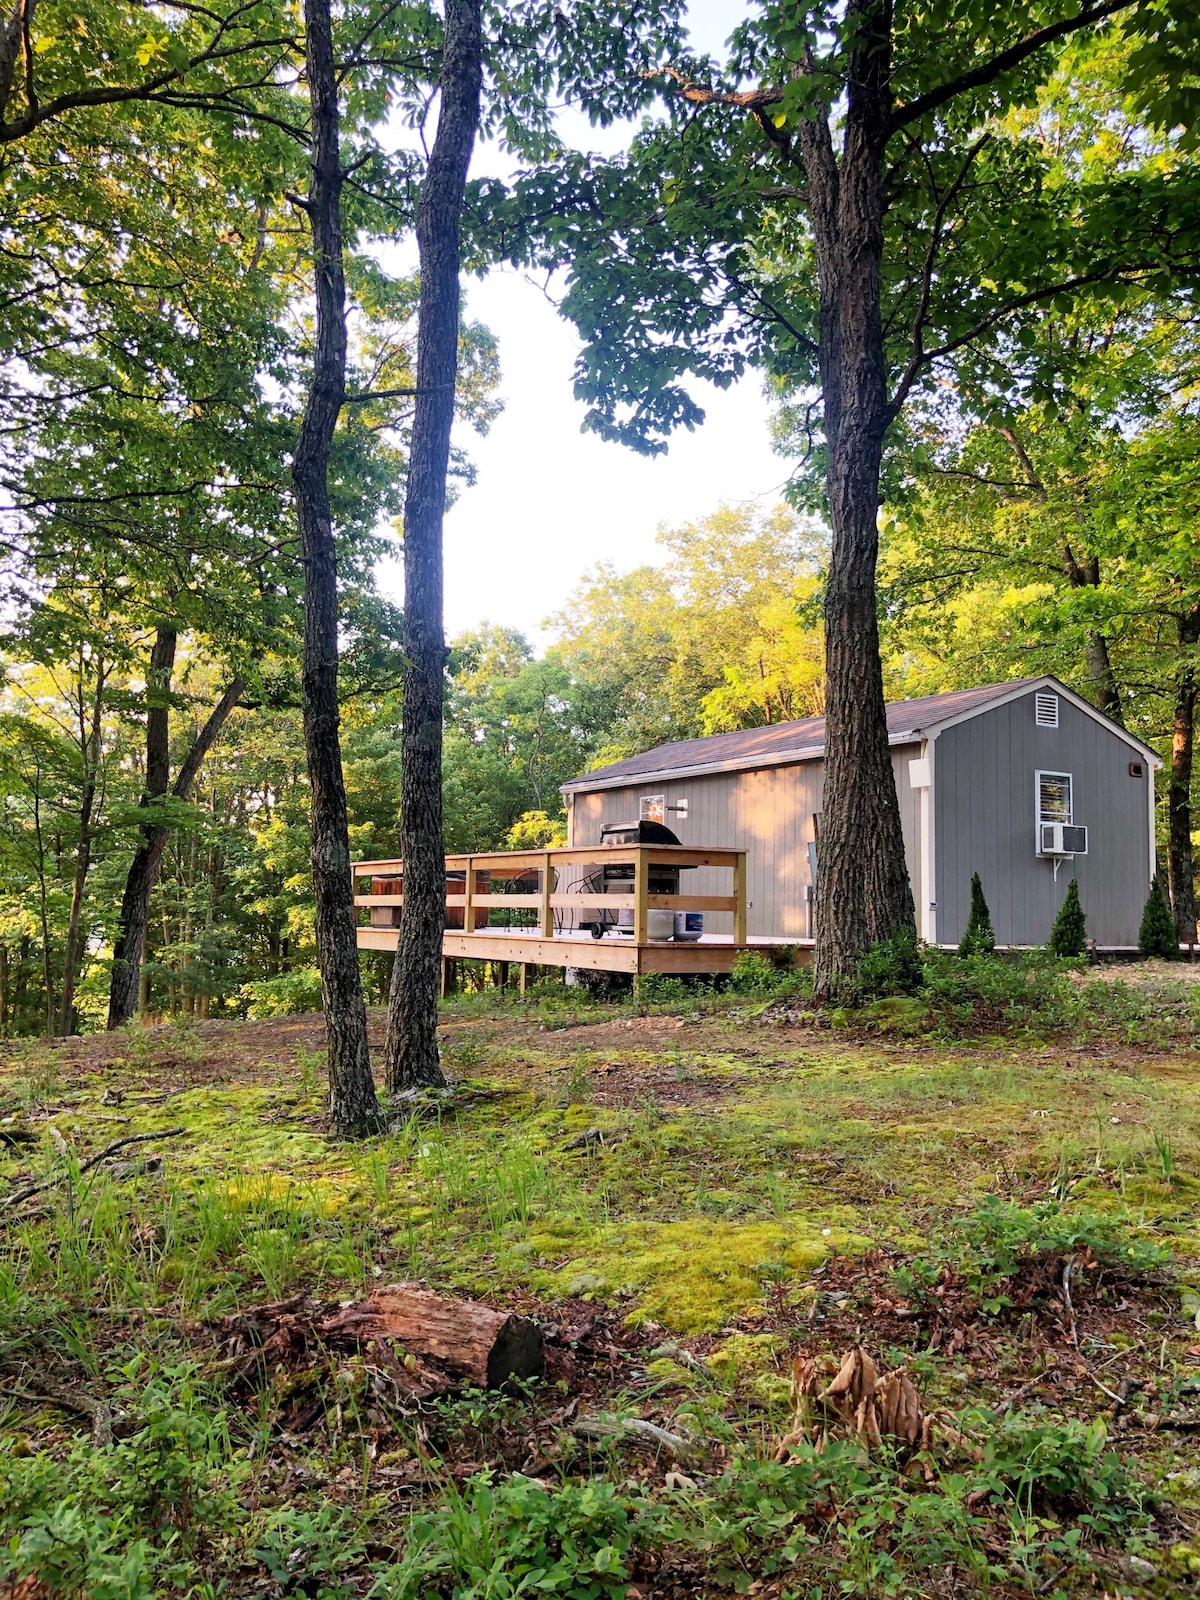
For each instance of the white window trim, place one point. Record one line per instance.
(659, 800)
(1050, 772)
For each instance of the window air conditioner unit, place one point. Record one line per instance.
(1063, 839)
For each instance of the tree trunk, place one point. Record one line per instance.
(1105, 691)
(143, 869)
(90, 753)
(410, 1051)
(353, 1107)
(863, 894)
(125, 988)
(1181, 872)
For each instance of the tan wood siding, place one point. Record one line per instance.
(768, 813)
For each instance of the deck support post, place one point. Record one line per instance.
(546, 917)
(502, 976)
(641, 894)
(739, 894)
(522, 978)
(469, 888)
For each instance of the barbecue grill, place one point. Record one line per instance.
(618, 879)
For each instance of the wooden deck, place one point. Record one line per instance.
(558, 894)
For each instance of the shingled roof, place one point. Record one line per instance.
(788, 741)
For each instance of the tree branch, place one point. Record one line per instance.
(989, 71)
(935, 241)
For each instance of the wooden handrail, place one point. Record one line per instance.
(508, 865)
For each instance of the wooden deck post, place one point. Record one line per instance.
(546, 916)
(739, 894)
(469, 907)
(522, 978)
(641, 893)
(502, 976)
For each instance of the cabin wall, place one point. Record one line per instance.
(984, 821)
(768, 812)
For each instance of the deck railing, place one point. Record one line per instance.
(562, 885)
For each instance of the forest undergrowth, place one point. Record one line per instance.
(707, 1201)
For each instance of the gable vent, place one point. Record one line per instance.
(1045, 710)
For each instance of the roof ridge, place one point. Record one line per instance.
(773, 737)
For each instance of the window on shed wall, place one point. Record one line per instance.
(1054, 797)
(652, 808)
(1045, 710)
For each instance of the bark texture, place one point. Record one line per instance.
(125, 986)
(410, 1050)
(863, 893)
(1181, 866)
(90, 736)
(353, 1108)
(476, 1343)
(1106, 692)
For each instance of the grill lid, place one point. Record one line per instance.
(636, 833)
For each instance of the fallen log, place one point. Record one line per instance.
(474, 1342)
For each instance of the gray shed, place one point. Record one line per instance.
(1025, 783)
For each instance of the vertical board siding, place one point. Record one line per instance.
(985, 822)
(768, 812)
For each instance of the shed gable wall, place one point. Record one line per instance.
(984, 820)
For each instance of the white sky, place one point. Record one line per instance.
(550, 501)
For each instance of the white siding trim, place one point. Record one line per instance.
(1150, 798)
(927, 922)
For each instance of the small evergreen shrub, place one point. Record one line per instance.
(1068, 937)
(1157, 936)
(979, 938)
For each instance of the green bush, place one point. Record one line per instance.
(497, 1541)
(989, 1246)
(891, 967)
(1062, 1470)
(769, 973)
(978, 938)
(283, 996)
(1157, 936)
(1068, 937)
(138, 1518)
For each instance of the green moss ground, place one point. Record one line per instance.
(733, 1169)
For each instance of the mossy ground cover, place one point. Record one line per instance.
(686, 1193)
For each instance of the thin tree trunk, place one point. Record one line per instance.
(90, 752)
(143, 869)
(1105, 690)
(1181, 867)
(863, 893)
(410, 1050)
(123, 994)
(43, 906)
(353, 1107)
